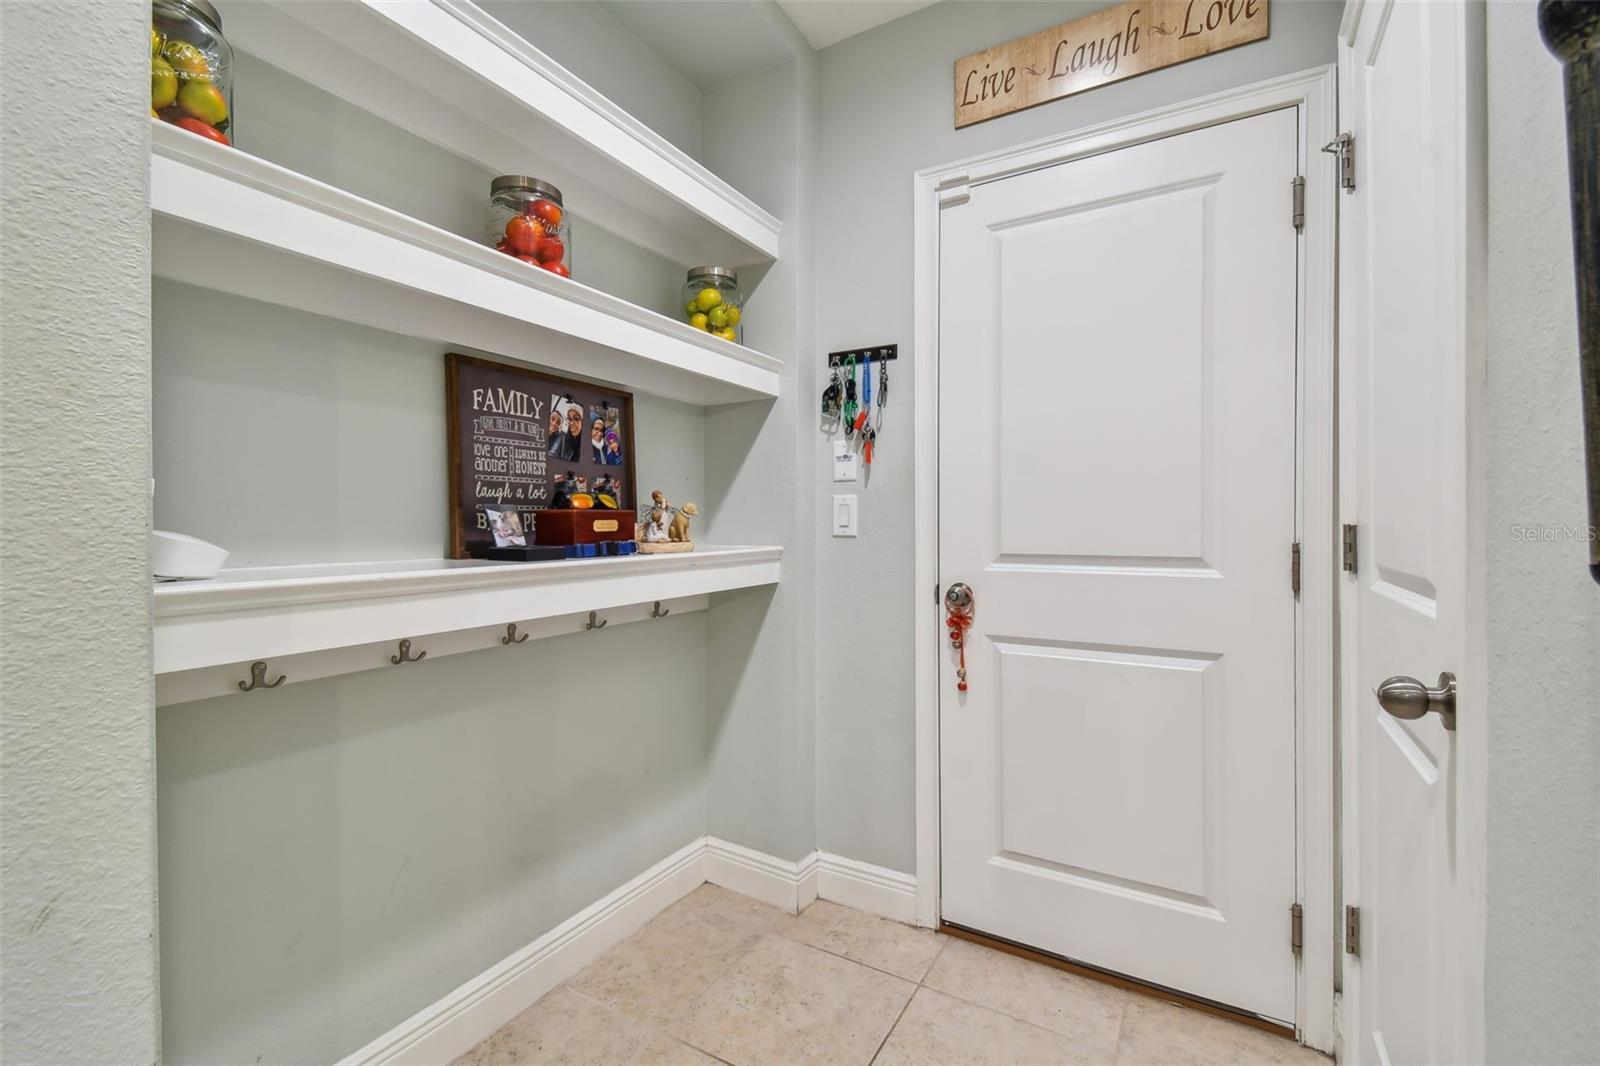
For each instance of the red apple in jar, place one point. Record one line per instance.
(524, 234)
(545, 212)
(557, 267)
(551, 250)
(194, 125)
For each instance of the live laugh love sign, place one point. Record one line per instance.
(1119, 42)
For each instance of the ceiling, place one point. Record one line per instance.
(712, 41)
(707, 41)
(826, 22)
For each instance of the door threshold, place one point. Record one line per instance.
(1109, 977)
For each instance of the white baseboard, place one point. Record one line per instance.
(874, 889)
(467, 1016)
(464, 1018)
(757, 875)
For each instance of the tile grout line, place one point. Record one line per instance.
(868, 965)
(897, 1019)
(944, 942)
(688, 1009)
(1126, 995)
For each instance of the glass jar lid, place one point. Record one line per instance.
(523, 183)
(202, 8)
(713, 272)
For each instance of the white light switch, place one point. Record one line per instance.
(844, 516)
(844, 461)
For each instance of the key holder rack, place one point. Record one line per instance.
(878, 353)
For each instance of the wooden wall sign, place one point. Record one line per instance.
(519, 439)
(1119, 42)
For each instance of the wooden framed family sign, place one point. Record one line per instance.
(1120, 42)
(523, 441)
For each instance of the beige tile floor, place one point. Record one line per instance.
(718, 977)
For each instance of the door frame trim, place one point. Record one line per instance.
(1313, 93)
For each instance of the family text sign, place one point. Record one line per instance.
(522, 441)
(1119, 42)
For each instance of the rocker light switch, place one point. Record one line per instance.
(844, 516)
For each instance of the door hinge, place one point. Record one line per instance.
(1344, 146)
(1347, 553)
(1294, 568)
(1352, 931)
(1297, 213)
(1296, 929)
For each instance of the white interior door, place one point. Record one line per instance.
(1412, 94)
(1117, 465)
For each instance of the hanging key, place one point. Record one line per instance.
(868, 439)
(850, 406)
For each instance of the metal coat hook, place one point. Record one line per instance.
(593, 624)
(258, 678)
(405, 655)
(511, 635)
(658, 612)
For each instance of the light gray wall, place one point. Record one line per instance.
(287, 438)
(77, 769)
(342, 854)
(586, 38)
(1542, 980)
(339, 856)
(885, 113)
(761, 137)
(300, 126)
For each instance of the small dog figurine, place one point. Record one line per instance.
(661, 529)
(679, 529)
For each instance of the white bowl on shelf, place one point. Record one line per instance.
(178, 555)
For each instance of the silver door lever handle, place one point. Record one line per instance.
(1406, 697)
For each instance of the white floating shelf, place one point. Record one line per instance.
(272, 613)
(448, 72)
(229, 221)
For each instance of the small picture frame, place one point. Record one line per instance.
(505, 525)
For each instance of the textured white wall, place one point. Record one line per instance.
(885, 113)
(77, 757)
(1542, 981)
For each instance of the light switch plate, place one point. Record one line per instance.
(844, 461)
(844, 516)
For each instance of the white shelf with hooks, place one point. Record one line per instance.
(318, 620)
(226, 220)
(450, 73)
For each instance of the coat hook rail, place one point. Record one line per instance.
(258, 678)
(511, 635)
(593, 624)
(405, 655)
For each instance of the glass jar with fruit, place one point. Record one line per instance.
(526, 220)
(191, 68)
(713, 302)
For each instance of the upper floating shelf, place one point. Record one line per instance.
(448, 72)
(227, 220)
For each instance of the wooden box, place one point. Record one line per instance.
(574, 526)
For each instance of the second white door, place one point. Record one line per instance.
(1117, 485)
